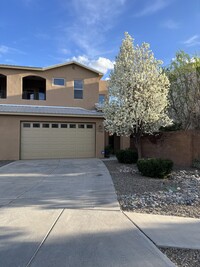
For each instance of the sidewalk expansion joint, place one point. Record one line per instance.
(140, 229)
(44, 239)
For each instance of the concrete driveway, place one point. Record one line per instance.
(65, 213)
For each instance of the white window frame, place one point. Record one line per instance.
(78, 89)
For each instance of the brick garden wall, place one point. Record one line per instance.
(181, 147)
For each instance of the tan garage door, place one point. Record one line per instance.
(43, 140)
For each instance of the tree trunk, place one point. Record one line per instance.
(138, 145)
(139, 149)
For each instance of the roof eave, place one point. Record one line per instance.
(50, 67)
(52, 115)
(73, 62)
(20, 67)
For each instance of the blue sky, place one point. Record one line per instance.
(43, 33)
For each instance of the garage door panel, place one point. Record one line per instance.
(38, 143)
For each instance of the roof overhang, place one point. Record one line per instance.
(48, 111)
(50, 67)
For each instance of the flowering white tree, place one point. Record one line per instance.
(184, 76)
(138, 93)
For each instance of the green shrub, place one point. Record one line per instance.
(153, 167)
(107, 151)
(127, 156)
(196, 163)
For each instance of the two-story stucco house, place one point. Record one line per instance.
(50, 112)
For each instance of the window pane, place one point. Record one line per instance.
(54, 125)
(81, 126)
(36, 125)
(78, 94)
(45, 125)
(26, 125)
(59, 81)
(89, 126)
(72, 126)
(63, 125)
(42, 96)
(78, 84)
(101, 99)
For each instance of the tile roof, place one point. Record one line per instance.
(48, 110)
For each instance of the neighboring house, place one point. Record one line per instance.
(50, 112)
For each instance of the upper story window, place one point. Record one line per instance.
(78, 89)
(59, 81)
(34, 88)
(3, 86)
(101, 99)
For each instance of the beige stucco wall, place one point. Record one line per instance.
(124, 142)
(10, 133)
(10, 138)
(55, 95)
(103, 87)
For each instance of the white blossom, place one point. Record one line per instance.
(138, 92)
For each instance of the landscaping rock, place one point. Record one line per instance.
(183, 257)
(178, 195)
(172, 196)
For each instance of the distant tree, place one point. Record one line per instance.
(138, 93)
(184, 76)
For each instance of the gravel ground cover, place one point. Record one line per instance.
(178, 195)
(183, 257)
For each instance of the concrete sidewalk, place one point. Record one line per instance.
(97, 238)
(169, 231)
(65, 213)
